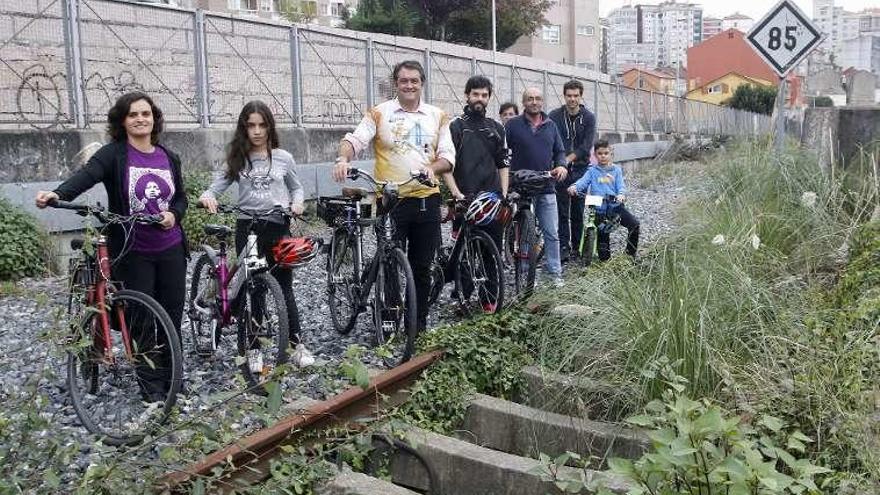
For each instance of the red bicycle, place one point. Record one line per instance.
(118, 339)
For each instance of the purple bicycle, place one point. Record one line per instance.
(247, 295)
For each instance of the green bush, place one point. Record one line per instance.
(753, 98)
(196, 218)
(24, 247)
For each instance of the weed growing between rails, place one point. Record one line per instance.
(482, 355)
(730, 298)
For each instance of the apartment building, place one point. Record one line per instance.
(737, 21)
(325, 12)
(654, 35)
(711, 27)
(571, 35)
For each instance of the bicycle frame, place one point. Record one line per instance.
(230, 282)
(96, 298)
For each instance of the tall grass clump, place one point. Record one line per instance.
(728, 295)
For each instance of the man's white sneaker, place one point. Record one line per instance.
(558, 282)
(302, 357)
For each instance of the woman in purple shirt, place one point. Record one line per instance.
(140, 176)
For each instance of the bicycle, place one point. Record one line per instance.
(117, 338)
(607, 223)
(245, 294)
(473, 263)
(522, 239)
(350, 283)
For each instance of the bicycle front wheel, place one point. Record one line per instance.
(394, 309)
(525, 252)
(124, 390)
(479, 277)
(263, 328)
(342, 277)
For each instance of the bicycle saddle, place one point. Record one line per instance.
(218, 230)
(354, 193)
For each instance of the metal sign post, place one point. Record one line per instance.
(783, 37)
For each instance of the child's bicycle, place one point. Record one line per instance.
(118, 338)
(594, 223)
(245, 294)
(388, 276)
(473, 262)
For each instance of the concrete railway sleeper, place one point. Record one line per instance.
(496, 449)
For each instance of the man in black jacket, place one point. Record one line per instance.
(481, 155)
(577, 127)
(482, 158)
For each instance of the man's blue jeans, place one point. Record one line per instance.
(548, 220)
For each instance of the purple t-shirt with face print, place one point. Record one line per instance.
(150, 187)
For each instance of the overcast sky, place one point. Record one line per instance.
(752, 8)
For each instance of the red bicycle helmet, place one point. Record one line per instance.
(291, 252)
(483, 209)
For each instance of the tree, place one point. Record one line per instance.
(294, 11)
(435, 15)
(515, 18)
(466, 22)
(384, 16)
(758, 99)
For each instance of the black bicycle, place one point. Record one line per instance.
(473, 262)
(522, 240)
(350, 283)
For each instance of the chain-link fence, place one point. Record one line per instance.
(64, 62)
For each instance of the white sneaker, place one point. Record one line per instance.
(558, 282)
(302, 357)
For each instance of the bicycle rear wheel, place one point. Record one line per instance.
(479, 276)
(525, 252)
(342, 280)
(118, 396)
(263, 329)
(202, 311)
(394, 309)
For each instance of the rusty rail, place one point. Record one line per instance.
(248, 458)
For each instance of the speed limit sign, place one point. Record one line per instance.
(784, 37)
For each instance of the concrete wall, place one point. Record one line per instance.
(840, 133)
(29, 156)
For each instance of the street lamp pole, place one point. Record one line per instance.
(494, 41)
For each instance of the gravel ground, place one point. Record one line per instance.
(28, 355)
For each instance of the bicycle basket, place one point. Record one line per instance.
(529, 182)
(331, 209)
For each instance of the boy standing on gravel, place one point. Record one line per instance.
(606, 179)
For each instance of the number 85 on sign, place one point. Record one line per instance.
(783, 37)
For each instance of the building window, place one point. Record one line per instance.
(337, 9)
(715, 89)
(587, 30)
(266, 5)
(243, 5)
(550, 33)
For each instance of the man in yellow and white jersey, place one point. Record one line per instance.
(407, 134)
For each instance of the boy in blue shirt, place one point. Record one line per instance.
(603, 179)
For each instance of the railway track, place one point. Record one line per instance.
(496, 450)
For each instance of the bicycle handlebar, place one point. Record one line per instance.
(104, 215)
(355, 173)
(275, 210)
